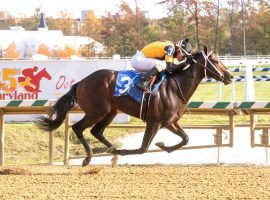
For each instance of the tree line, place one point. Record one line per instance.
(231, 27)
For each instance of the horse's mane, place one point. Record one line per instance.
(196, 54)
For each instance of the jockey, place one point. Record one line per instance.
(159, 56)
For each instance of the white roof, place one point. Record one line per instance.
(77, 41)
(29, 41)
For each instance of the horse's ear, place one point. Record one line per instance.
(205, 49)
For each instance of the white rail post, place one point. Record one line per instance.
(249, 83)
(66, 148)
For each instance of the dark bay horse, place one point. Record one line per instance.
(95, 96)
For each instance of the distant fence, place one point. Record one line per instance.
(257, 78)
(253, 69)
(247, 67)
(223, 58)
(248, 57)
(243, 78)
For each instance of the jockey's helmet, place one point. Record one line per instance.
(184, 46)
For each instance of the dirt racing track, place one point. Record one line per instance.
(135, 182)
(148, 180)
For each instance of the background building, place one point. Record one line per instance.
(28, 42)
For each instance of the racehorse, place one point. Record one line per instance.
(95, 96)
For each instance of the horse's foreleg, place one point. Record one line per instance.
(150, 132)
(176, 129)
(98, 129)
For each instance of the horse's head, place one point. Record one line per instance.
(213, 67)
(45, 74)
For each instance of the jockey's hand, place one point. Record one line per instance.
(189, 60)
(169, 69)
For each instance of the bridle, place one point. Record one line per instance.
(180, 45)
(215, 70)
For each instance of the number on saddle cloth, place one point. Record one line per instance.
(126, 84)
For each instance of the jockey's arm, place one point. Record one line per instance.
(173, 64)
(169, 59)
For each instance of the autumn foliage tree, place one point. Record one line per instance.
(31, 23)
(91, 27)
(258, 30)
(11, 52)
(127, 31)
(65, 52)
(44, 50)
(64, 23)
(87, 50)
(227, 27)
(193, 10)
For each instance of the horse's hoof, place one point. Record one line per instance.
(86, 161)
(111, 150)
(114, 160)
(160, 144)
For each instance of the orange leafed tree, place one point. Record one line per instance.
(44, 50)
(66, 52)
(11, 51)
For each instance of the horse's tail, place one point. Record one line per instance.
(59, 109)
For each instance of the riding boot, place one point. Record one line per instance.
(145, 80)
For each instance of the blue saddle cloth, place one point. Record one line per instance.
(126, 84)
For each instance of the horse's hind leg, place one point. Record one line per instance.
(78, 129)
(178, 130)
(150, 132)
(98, 129)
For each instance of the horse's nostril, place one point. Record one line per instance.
(232, 77)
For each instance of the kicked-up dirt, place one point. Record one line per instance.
(135, 182)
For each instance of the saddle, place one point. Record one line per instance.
(126, 85)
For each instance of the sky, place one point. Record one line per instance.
(20, 8)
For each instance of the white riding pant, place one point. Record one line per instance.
(141, 63)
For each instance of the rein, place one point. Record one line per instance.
(206, 59)
(180, 90)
